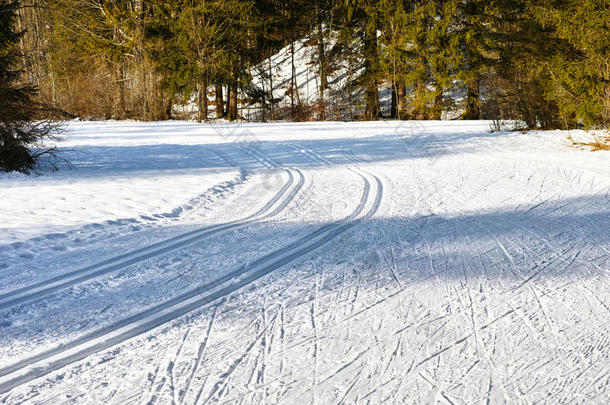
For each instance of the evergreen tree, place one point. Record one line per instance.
(420, 53)
(541, 62)
(476, 47)
(21, 131)
(420, 20)
(579, 68)
(359, 29)
(394, 55)
(518, 87)
(444, 56)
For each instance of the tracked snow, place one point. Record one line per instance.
(308, 263)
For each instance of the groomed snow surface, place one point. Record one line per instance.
(398, 262)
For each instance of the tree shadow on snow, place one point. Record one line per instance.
(373, 144)
(556, 240)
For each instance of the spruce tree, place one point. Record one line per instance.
(444, 52)
(21, 131)
(541, 62)
(394, 54)
(579, 73)
(518, 88)
(474, 32)
(420, 53)
(358, 37)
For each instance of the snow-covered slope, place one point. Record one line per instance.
(413, 262)
(343, 100)
(273, 76)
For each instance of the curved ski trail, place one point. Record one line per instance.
(276, 204)
(50, 360)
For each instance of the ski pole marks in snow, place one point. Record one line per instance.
(483, 277)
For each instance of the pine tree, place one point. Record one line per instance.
(476, 44)
(519, 83)
(443, 48)
(579, 69)
(358, 35)
(394, 55)
(21, 137)
(540, 62)
(420, 53)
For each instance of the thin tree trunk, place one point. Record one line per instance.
(220, 104)
(394, 108)
(371, 92)
(437, 112)
(348, 86)
(263, 99)
(52, 79)
(322, 69)
(292, 68)
(199, 103)
(401, 100)
(271, 106)
(120, 82)
(233, 113)
(228, 101)
(473, 102)
(292, 79)
(205, 99)
(152, 105)
(202, 110)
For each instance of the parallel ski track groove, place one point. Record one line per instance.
(140, 323)
(63, 281)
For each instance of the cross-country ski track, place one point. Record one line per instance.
(400, 262)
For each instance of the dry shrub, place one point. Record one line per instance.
(87, 96)
(303, 112)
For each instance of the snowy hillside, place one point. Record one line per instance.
(341, 93)
(274, 75)
(407, 262)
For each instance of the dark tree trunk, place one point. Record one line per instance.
(199, 103)
(228, 100)
(271, 101)
(401, 101)
(205, 100)
(322, 69)
(168, 109)
(292, 80)
(394, 108)
(371, 93)
(232, 114)
(202, 114)
(437, 112)
(473, 102)
(220, 103)
(292, 65)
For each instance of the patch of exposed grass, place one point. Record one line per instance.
(600, 143)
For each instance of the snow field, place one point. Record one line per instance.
(474, 270)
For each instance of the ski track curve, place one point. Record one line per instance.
(39, 365)
(276, 204)
(485, 312)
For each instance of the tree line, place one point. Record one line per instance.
(543, 62)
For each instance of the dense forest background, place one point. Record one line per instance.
(545, 63)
